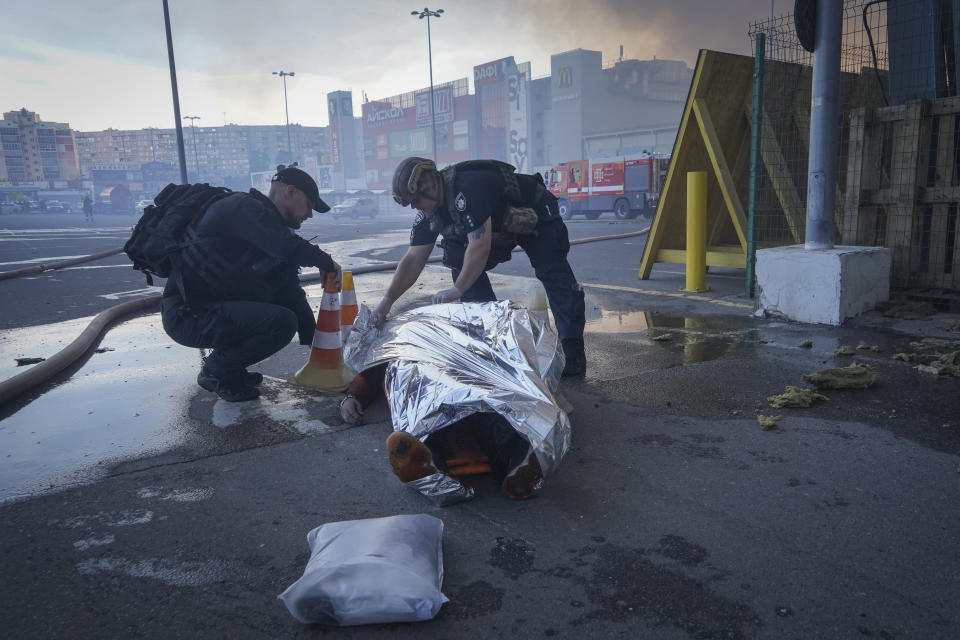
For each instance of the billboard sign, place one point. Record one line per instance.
(442, 105)
(392, 131)
(517, 141)
(492, 72)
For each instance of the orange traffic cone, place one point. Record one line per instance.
(325, 370)
(348, 306)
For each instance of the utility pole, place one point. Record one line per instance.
(427, 13)
(283, 74)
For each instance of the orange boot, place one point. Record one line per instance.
(410, 458)
(523, 479)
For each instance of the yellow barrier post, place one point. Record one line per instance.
(696, 231)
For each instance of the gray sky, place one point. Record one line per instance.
(103, 63)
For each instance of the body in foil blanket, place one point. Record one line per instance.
(482, 443)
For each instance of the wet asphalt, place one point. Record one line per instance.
(674, 515)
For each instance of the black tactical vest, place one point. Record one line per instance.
(448, 222)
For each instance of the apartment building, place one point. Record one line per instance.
(224, 155)
(32, 150)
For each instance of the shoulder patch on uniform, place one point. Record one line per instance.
(420, 216)
(461, 202)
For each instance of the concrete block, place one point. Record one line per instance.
(825, 286)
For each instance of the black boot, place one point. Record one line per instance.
(575, 356)
(233, 389)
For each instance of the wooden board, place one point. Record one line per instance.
(710, 138)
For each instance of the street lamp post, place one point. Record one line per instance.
(427, 13)
(283, 74)
(193, 134)
(176, 95)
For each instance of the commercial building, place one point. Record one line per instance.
(583, 109)
(401, 126)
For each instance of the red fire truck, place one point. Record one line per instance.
(627, 186)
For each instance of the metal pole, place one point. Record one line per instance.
(824, 127)
(696, 231)
(286, 110)
(176, 97)
(193, 134)
(755, 130)
(433, 119)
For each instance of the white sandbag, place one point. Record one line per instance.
(370, 572)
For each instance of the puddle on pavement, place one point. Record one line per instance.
(131, 400)
(692, 340)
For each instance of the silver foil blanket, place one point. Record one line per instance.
(448, 361)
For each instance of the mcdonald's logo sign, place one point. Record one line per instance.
(565, 77)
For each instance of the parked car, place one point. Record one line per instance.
(143, 204)
(55, 206)
(356, 207)
(9, 207)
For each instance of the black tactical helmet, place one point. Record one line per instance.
(406, 178)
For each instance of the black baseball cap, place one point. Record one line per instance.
(302, 180)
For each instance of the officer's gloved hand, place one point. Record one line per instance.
(380, 313)
(447, 295)
(351, 411)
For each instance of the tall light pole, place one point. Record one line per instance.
(427, 13)
(193, 134)
(283, 74)
(176, 95)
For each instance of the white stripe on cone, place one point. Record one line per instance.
(330, 302)
(326, 340)
(348, 298)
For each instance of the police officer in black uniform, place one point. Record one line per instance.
(240, 261)
(483, 209)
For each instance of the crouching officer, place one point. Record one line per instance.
(483, 209)
(241, 294)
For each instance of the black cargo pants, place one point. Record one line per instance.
(240, 333)
(548, 256)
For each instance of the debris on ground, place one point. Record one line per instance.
(806, 344)
(845, 350)
(663, 337)
(905, 357)
(25, 361)
(795, 397)
(768, 422)
(953, 326)
(935, 343)
(856, 376)
(863, 346)
(103, 349)
(945, 364)
(906, 310)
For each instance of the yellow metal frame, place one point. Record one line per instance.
(722, 84)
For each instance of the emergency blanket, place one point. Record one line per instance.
(371, 571)
(449, 361)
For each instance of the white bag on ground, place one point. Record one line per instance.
(370, 572)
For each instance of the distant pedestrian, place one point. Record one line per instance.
(87, 209)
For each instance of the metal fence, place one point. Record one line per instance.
(897, 183)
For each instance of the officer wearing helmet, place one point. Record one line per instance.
(483, 209)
